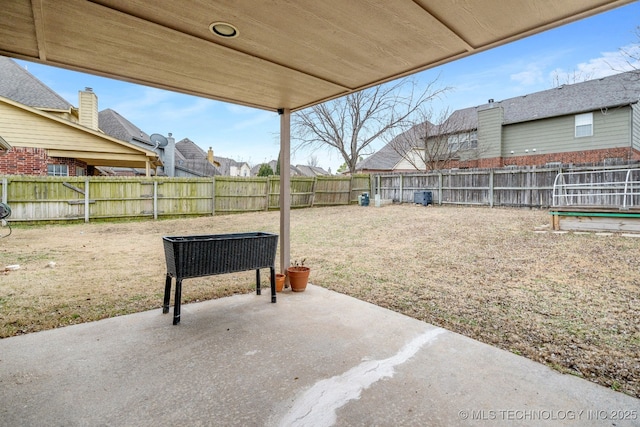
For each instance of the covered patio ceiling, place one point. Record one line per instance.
(285, 55)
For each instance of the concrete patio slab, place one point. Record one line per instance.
(316, 358)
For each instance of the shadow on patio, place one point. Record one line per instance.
(316, 358)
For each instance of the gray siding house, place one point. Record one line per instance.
(597, 121)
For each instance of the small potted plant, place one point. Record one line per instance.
(280, 278)
(298, 275)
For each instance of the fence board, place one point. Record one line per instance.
(85, 198)
(512, 187)
(331, 191)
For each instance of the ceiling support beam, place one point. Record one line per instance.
(285, 188)
(452, 33)
(38, 20)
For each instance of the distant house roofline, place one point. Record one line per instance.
(149, 155)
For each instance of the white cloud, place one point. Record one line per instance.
(607, 64)
(139, 100)
(528, 78)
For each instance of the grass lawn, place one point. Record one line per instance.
(571, 301)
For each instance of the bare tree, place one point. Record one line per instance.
(312, 161)
(575, 76)
(435, 142)
(631, 53)
(352, 123)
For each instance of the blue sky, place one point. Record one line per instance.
(587, 48)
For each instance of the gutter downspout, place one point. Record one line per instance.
(285, 188)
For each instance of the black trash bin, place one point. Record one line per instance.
(364, 199)
(423, 198)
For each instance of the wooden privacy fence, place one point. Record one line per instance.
(512, 187)
(85, 198)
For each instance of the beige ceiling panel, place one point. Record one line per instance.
(17, 29)
(289, 54)
(83, 34)
(351, 43)
(485, 22)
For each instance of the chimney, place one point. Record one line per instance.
(170, 156)
(88, 106)
(211, 159)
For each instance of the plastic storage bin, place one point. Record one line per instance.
(423, 198)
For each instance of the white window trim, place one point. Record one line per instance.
(58, 170)
(583, 122)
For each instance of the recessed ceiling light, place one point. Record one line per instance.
(224, 29)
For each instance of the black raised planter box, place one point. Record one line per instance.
(207, 255)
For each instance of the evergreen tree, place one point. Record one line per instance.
(265, 170)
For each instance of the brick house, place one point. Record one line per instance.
(596, 121)
(49, 136)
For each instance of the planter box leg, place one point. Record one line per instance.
(273, 283)
(167, 295)
(176, 302)
(258, 291)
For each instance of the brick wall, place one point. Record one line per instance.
(575, 157)
(24, 161)
(33, 161)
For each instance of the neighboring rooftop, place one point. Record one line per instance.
(116, 126)
(297, 170)
(607, 92)
(194, 159)
(18, 84)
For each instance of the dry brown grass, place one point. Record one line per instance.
(571, 301)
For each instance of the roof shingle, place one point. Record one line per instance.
(116, 126)
(18, 84)
(607, 92)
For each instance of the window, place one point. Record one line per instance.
(584, 125)
(473, 140)
(463, 141)
(57, 170)
(454, 143)
(80, 171)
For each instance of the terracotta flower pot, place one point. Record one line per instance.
(280, 278)
(298, 278)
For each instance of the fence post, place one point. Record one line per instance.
(213, 195)
(155, 199)
(372, 186)
(401, 189)
(5, 190)
(86, 200)
(440, 188)
(313, 190)
(266, 195)
(491, 188)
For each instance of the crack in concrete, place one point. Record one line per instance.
(318, 405)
